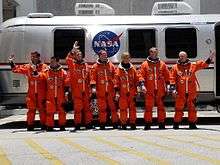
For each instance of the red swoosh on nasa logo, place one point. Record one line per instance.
(116, 38)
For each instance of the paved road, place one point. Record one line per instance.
(161, 147)
(18, 119)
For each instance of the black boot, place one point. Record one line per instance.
(43, 127)
(161, 125)
(176, 125)
(115, 126)
(30, 127)
(192, 126)
(49, 129)
(123, 127)
(102, 126)
(62, 128)
(89, 126)
(147, 126)
(133, 127)
(77, 127)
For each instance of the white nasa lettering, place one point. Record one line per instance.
(105, 44)
(115, 44)
(96, 44)
(109, 43)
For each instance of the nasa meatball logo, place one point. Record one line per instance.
(106, 40)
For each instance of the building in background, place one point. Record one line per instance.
(124, 7)
(1, 11)
(121, 7)
(14, 8)
(9, 9)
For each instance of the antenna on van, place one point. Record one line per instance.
(171, 8)
(93, 9)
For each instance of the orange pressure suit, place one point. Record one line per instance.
(79, 81)
(184, 78)
(155, 75)
(56, 81)
(126, 82)
(102, 76)
(36, 95)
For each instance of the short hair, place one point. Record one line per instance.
(153, 48)
(183, 52)
(35, 52)
(55, 58)
(125, 54)
(78, 51)
(102, 50)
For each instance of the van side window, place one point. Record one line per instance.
(140, 41)
(64, 40)
(180, 39)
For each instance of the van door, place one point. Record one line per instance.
(217, 63)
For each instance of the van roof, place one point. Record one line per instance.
(111, 20)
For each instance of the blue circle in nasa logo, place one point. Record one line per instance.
(106, 40)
